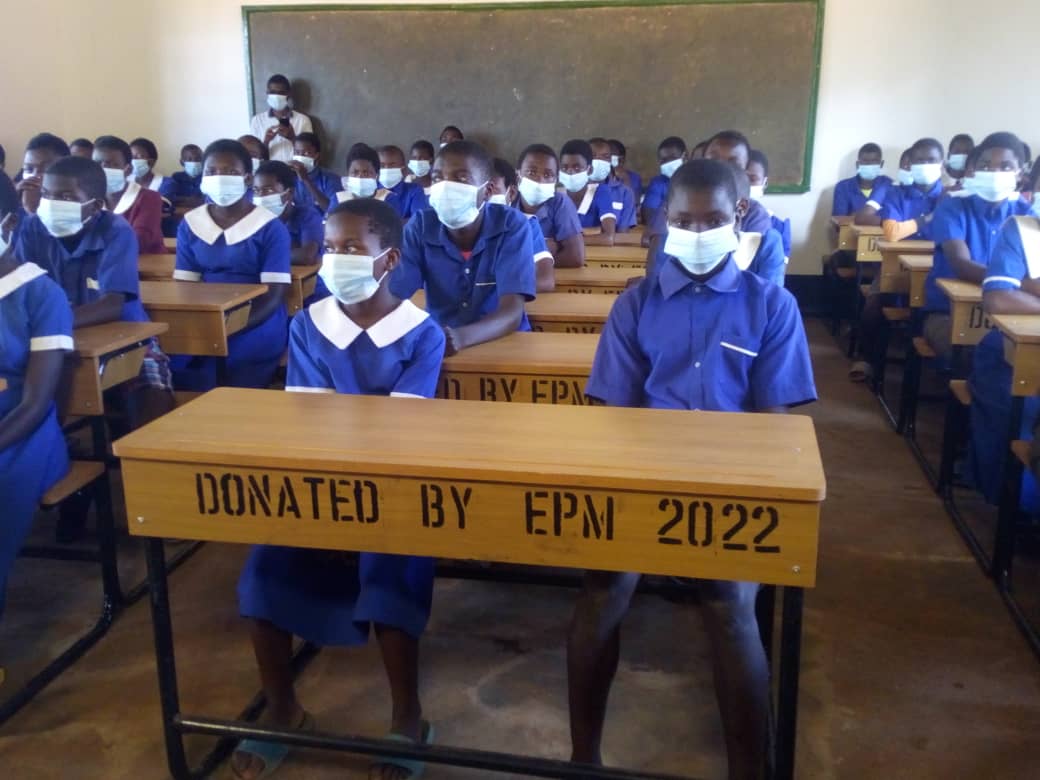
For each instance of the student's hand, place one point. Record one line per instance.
(300, 170)
(272, 131)
(31, 184)
(451, 342)
(287, 132)
(552, 245)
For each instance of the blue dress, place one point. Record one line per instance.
(331, 597)
(34, 317)
(255, 250)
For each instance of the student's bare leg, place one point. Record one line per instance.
(273, 650)
(400, 652)
(741, 673)
(593, 648)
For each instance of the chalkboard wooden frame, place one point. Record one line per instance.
(810, 133)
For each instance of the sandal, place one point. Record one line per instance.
(413, 766)
(271, 753)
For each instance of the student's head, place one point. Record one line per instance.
(362, 248)
(703, 197)
(227, 172)
(40, 152)
(671, 153)
(82, 147)
(450, 134)
(538, 169)
(618, 153)
(904, 160)
(998, 166)
(600, 159)
(72, 193)
(279, 92)
(926, 157)
(362, 179)
(113, 154)
(307, 149)
(729, 146)
(575, 164)
(758, 173)
(392, 167)
(461, 178)
(960, 147)
(420, 158)
(870, 154)
(697, 152)
(191, 159)
(503, 182)
(143, 156)
(274, 184)
(255, 149)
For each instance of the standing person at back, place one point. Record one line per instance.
(279, 125)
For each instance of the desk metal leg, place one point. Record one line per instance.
(1010, 495)
(787, 688)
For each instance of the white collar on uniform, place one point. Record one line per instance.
(344, 195)
(203, 226)
(339, 329)
(1029, 232)
(586, 202)
(746, 249)
(155, 183)
(129, 196)
(19, 277)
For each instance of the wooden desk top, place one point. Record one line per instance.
(747, 455)
(595, 277)
(866, 230)
(841, 221)
(907, 247)
(916, 262)
(562, 306)
(100, 340)
(304, 271)
(156, 266)
(1020, 328)
(959, 291)
(198, 296)
(619, 253)
(528, 353)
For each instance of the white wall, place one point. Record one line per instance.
(892, 71)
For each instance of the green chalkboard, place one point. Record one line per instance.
(514, 74)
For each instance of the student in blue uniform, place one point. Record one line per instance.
(906, 212)
(407, 199)
(758, 179)
(965, 229)
(420, 163)
(698, 334)
(604, 176)
(961, 145)
(361, 340)
(595, 202)
(258, 154)
(537, 196)
(274, 185)
(35, 336)
(185, 192)
(362, 176)
(472, 257)
(42, 150)
(321, 183)
(671, 153)
(504, 193)
(231, 239)
(869, 185)
(620, 169)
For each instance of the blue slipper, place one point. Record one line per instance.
(271, 753)
(414, 766)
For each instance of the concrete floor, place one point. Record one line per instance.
(911, 667)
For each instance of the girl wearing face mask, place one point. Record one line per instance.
(537, 196)
(125, 196)
(362, 179)
(504, 193)
(361, 341)
(230, 239)
(420, 164)
(598, 205)
(274, 185)
(405, 198)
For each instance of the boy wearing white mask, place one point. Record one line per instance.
(621, 194)
(907, 211)
(230, 239)
(361, 340)
(697, 334)
(273, 186)
(758, 180)
(279, 124)
(185, 192)
(420, 164)
(472, 257)
(869, 185)
(961, 145)
(321, 183)
(538, 197)
(594, 201)
(965, 230)
(124, 196)
(406, 199)
(671, 153)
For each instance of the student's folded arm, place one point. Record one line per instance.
(571, 252)
(959, 255)
(1010, 302)
(107, 308)
(43, 372)
(869, 216)
(505, 319)
(544, 275)
(266, 305)
(894, 230)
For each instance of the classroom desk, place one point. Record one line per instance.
(846, 241)
(695, 494)
(917, 267)
(895, 278)
(967, 320)
(589, 280)
(541, 368)
(105, 356)
(561, 312)
(867, 237)
(1021, 350)
(304, 280)
(201, 315)
(615, 256)
(631, 237)
(156, 268)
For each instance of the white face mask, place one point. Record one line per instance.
(700, 253)
(600, 170)
(350, 277)
(443, 144)
(926, 174)
(574, 182)
(223, 190)
(957, 162)
(535, 193)
(358, 187)
(390, 177)
(62, 218)
(994, 186)
(115, 180)
(615, 160)
(419, 168)
(192, 168)
(140, 168)
(758, 191)
(904, 177)
(305, 161)
(499, 199)
(275, 202)
(669, 168)
(278, 102)
(455, 203)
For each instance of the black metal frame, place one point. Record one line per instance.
(176, 724)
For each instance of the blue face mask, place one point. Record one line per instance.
(904, 177)
(868, 172)
(994, 186)
(193, 169)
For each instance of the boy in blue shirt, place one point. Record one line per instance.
(619, 165)
(758, 180)
(472, 257)
(603, 175)
(420, 163)
(407, 199)
(321, 183)
(961, 145)
(537, 196)
(906, 212)
(273, 187)
(869, 185)
(595, 201)
(698, 334)
(42, 150)
(185, 192)
(671, 153)
(362, 175)
(258, 154)
(361, 340)
(504, 193)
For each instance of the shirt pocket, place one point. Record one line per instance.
(739, 347)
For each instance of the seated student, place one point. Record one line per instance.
(698, 150)
(185, 192)
(230, 239)
(419, 164)
(596, 205)
(257, 155)
(472, 257)
(504, 193)
(273, 186)
(965, 230)
(904, 176)
(671, 153)
(92, 254)
(279, 124)
(40, 152)
(537, 196)
(362, 177)
(450, 134)
(869, 185)
(736, 346)
(619, 164)
(36, 334)
(957, 159)
(603, 175)
(321, 183)
(407, 199)
(82, 147)
(141, 207)
(361, 341)
(758, 178)
(967, 188)
(906, 212)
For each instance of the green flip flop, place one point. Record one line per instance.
(414, 766)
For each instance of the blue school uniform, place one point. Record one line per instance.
(101, 259)
(734, 343)
(557, 217)
(635, 183)
(783, 227)
(184, 186)
(332, 598)
(255, 250)
(603, 201)
(656, 192)
(34, 317)
(407, 199)
(849, 198)
(461, 290)
(1015, 257)
(974, 221)
(327, 182)
(759, 253)
(305, 226)
(907, 202)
